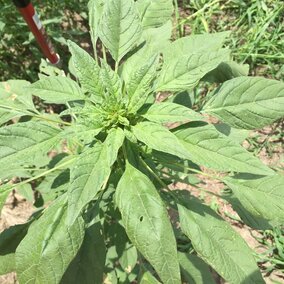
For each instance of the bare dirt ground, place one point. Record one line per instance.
(16, 211)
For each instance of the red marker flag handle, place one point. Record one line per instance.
(32, 19)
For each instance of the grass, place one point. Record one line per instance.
(273, 257)
(257, 29)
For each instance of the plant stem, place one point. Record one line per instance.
(116, 67)
(196, 171)
(198, 12)
(51, 120)
(124, 152)
(177, 18)
(34, 115)
(260, 55)
(164, 186)
(104, 53)
(43, 174)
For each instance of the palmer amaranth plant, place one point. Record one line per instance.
(106, 189)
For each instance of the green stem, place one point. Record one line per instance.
(124, 152)
(198, 12)
(158, 178)
(116, 67)
(33, 115)
(43, 174)
(104, 53)
(177, 18)
(196, 171)
(260, 55)
(51, 120)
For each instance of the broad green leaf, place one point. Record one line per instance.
(139, 86)
(184, 72)
(11, 237)
(110, 79)
(9, 240)
(195, 270)
(247, 217)
(226, 71)
(171, 112)
(120, 27)
(14, 93)
(50, 246)
(79, 132)
(198, 43)
(159, 138)
(154, 13)
(22, 142)
(218, 244)
(262, 197)
(7, 263)
(144, 214)
(128, 259)
(152, 43)
(15, 100)
(235, 134)
(91, 172)
(88, 265)
(95, 8)
(57, 90)
(87, 71)
(208, 147)
(148, 278)
(247, 102)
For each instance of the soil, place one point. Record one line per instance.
(16, 211)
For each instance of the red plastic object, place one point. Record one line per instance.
(32, 19)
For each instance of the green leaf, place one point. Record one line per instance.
(139, 86)
(247, 102)
(226, 71)
(144, 214)
(88, 265)
(22, 142)
(110, 79)
(14, 93)
(95, 8)
(184, 72)
(57, 90)
(91, 171)
(87, 71)
(14, 100)
(7, 263)
(195, 270)
(128, 259)
(159, 138)
(200, 43)
(148, 278)
(81, 133)
(208, 147)
(50, 246)
(152, 43)
(154, 13)
(120, 27)
(11, 237)
(235, 134)
(262, 197)
(249, 219)
(171, 112)
(218, 244)
(9, 241)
